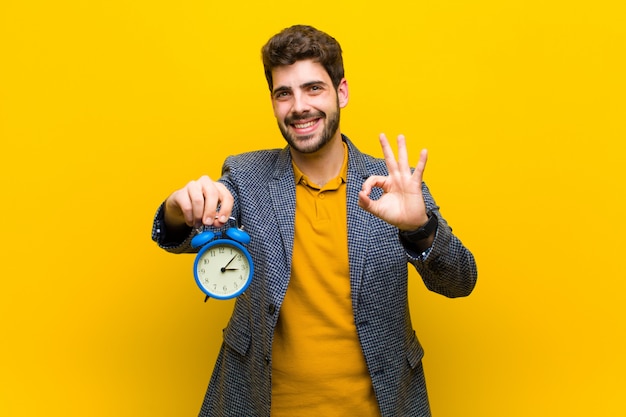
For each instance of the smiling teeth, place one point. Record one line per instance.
(304, 125)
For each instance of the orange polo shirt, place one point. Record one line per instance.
(318, 366)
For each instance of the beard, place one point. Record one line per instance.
(309, 144)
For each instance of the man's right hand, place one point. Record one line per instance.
(196, 204)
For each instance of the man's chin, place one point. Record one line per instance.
(303, 139)
(304, 144)
(302, 148)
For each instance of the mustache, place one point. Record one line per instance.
(296, 117)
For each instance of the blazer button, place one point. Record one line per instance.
(271, 309)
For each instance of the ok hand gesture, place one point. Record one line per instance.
(402, 203)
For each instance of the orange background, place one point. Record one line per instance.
(108, 106)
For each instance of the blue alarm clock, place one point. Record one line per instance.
(223, 267)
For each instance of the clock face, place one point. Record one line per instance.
(223, 269)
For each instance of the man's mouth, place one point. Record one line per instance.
(304, 125)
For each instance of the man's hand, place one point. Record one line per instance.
(196, 204)
(402, 203)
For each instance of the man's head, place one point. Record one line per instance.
(299, 42)
(304, 71)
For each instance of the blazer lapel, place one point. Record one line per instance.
(358, 221)
(282, 191)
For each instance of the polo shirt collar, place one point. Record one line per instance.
(334, 183)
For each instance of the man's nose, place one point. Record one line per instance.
(301, 104)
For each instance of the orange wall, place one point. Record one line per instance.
(107, 106)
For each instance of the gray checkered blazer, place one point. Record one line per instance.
(262, 183)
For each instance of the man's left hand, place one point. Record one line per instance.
(402, 203)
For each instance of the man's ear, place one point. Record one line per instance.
(342, 93)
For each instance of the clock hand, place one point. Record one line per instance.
(223, 269)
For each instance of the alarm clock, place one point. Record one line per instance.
(223, 267)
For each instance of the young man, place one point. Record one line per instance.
(324, 328)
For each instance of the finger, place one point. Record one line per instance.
(365, 202)
(199, 198)
(178, 209)
(226, 202)
(390, 158)
(418, 174)
(374, 181)
(403, 158)
(187, 208)
(207, 206)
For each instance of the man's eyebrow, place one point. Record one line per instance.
(302, 86)
(312, 83)
(281, 89)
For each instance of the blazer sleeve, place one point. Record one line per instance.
(448, 267)
(164, 241)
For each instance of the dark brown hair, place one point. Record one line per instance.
(299, 42)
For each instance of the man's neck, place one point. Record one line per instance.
(323, 165)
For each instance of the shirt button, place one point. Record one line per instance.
(321, 195)
(271, 309)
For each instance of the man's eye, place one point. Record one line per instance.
(316, 89)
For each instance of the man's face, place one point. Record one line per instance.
(306, 105)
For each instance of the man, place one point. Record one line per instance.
(324, 328)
